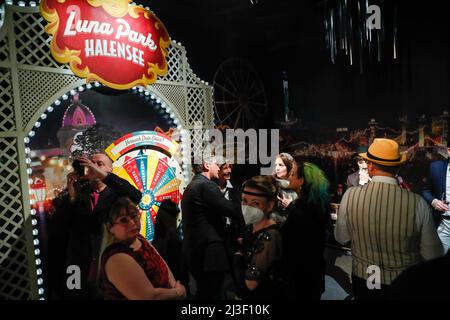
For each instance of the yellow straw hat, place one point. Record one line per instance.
(385, 152)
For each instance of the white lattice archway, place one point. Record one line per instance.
(30, 81)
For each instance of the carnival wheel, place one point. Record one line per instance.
(239, 95)
(158, 176)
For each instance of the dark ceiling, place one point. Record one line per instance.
(278, 35)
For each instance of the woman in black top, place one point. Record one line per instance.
(262, 244)
(304, 235)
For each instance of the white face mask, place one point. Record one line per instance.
(251, 214)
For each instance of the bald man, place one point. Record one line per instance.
(78, 219)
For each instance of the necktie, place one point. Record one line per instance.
(94, 199)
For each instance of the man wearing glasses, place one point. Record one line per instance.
(360, 177)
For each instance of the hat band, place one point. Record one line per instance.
(371, 156)
(264, 195)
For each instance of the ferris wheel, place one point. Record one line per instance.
(239, 96)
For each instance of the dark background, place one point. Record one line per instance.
(108, 109)
(278, 35)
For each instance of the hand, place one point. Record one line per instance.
(72, 178)
(180, 290)
(94, 172)
(440, 205)
(284, 202)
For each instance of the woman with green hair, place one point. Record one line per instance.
(304, 234)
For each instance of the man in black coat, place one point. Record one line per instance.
(204, 209)
(78, 219)
(428, 280)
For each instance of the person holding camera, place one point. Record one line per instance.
(80, 211)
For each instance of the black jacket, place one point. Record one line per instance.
(203, 208)
(428, 280)
(304, 238)
(435, 186)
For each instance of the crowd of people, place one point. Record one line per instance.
(262, 239)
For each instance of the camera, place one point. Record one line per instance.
(78, 168)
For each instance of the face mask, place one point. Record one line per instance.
(364, 177)
(251, 214)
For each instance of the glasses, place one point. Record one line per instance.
(124, 220)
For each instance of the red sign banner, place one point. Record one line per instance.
(109, 41)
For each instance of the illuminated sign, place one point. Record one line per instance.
(109, 41)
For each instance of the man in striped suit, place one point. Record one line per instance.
(389, 228)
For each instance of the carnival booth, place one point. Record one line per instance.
(66, 66)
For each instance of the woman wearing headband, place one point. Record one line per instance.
(131, 268)
(262, 244)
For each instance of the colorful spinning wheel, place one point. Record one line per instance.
(158, 176)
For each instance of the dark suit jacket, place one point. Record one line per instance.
(353, 180)
(304, 238)
(436, 185)
(428, 280)
(203, 208)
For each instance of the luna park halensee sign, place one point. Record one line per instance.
(109, 41)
